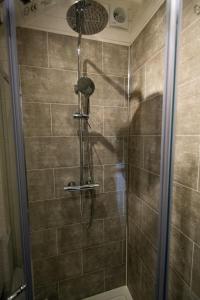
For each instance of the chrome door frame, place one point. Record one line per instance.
(9, 11)
(173, 19)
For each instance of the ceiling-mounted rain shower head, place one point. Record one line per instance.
(87, 17)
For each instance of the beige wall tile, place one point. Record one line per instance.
(152, 153)
(37, 119)
(43, 244)
(79, 236)
(186, 211)
(107, 150)
(188, 109)
(114, 178)
(134, 274)
(51, 152)
(98, 257)
(94, 234)
(147, 119)
(195, 273)
(148, 285)
(91, 56)
(40, 185)
(150, 220)
(136, 151)
(178, 289)
(47, 271)
(146, 186)
(115, 59)
(115, 277)
(134, 236)
(51, 292)
(155, 75)
(135, 208)
(181, 250)
(81, 287)
(48, 85)
(109, 90)
(96, 120)
(32, 47)
(186, 161)
(138, 88)
(188, 13)
(105, 205)
(54, 213)
(189, 62)
(151, 39)
(114, 229)
(62, 51)
(63, 122)
(115, 121)
(149, 257)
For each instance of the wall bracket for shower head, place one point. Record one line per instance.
(81, 116)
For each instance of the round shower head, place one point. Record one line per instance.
(87, 17)
(85, 86)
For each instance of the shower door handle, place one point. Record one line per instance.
(18, 292)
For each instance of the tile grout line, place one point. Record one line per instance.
(185, 235)
(54, 184)
(145, 80)
(57, 250)
(102, 54)
(51, 117)
(149, 59)
(192, 265)
(75, 105)
(143, 154)
(48, 49)
(198, 168)
(103, 175)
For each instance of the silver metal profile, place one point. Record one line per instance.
(174, 13)
(9, 9)
(18, 292)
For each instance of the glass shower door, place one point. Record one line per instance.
(13, 273)
(147, 72)
(184, 256)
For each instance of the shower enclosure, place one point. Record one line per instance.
(103, 185)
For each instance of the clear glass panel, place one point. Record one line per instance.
(185, 235)
(79, 239)
(11, 266)
(145, 123)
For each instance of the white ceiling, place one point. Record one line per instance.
(51, 16)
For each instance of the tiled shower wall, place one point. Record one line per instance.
(146, 102)
(146, 95)
(69, 260)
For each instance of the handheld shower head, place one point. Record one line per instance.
(85, 86)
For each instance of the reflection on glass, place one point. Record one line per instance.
(11, 271)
